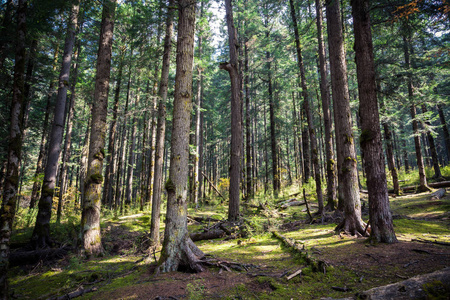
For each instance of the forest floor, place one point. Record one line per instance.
(354, 265)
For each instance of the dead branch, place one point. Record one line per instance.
(213, 186)
(438, 194)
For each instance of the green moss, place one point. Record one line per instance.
(348, 139)
(366, 136)
(348, 158)
(436, 290)
(100, 155)
(47, 192)
(169, 186)
(96, 178)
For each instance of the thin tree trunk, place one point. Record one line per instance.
(161, 128)
(382, 228)
(445, 130)
(178, 249)
(41, 232)
(348, 180)
(326, 102)
(8, 207)
(434, 156)
(248, 155)
(90, 221)
(236, 126)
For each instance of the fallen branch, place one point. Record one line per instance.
(18, 258)
(317, 265)
(208, 235)
(75, 294)
(292, 203)
(298, 272)
(430, 242)
(436, 185)
(213, 186)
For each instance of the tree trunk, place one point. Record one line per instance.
(248, 144)
(445, 130)
(325, 96)
(178, 249)
(382, 228)
(90, 221)
(8, 207)
(434, 156)
(161, 128)
(307, 111)
(41, 232)
(236, 126)
(348, 181)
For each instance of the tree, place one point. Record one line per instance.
(325, 96)
(382, 228)
(41, 232)
(8, 208)
(178, 249)
(347, 175)
(161, 127)
(90, 220)
(236, 118)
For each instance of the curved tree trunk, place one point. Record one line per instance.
(90, 221)
(348, 180)
(41, 232)
(161, 128)
(178, 249)
(8, 207)
(382, 228)
(325, 95)
(236, 119)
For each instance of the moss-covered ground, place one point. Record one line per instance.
(354, 265)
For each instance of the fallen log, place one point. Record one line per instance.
(208, 235)
(316, 265)
(18, 258)
(436, 185)
(438, 194)
(293, 203)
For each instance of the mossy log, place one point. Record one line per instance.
(19, 258)
(316, 265)
(438, 194)
(436, 185)
(208, 235)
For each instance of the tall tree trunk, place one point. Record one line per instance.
(307, 111)
(161, 128)
(41, 232)
(68, 138)
(131, 159)
(108, 191)
(90, 221)
(434, 156)
(423, 185)
(390, 154)
(382, 228)
(236, 125)
(248, 146)
(8, 207)
(178, 249)
(348, 180)
(445, 130)
(325, 96)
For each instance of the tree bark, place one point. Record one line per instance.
(382, 228)
(90, 221)
(236, 125)
(348, 181)
(41, 232)
(8, 207)
(325, 96)
(445, 130)
(178, 249)
(161, 128)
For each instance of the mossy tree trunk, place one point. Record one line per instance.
(178, 249)
(236, 115)
(8, 208)
(325, 96)
(382, 228)
(348, 180)
(434, 156)
(445, 130)
(161, 128)
(90, 222)
(41, 232)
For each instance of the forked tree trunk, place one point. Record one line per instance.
(236, 124)
(382, 228)
(307, 110)
(325, 96)
(178, 249)
(348, 180)
(41, 232)
(161, 128)
(8, 208)
(90, 221)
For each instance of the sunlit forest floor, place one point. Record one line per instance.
(126, 271)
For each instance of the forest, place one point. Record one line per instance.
(235, 149)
